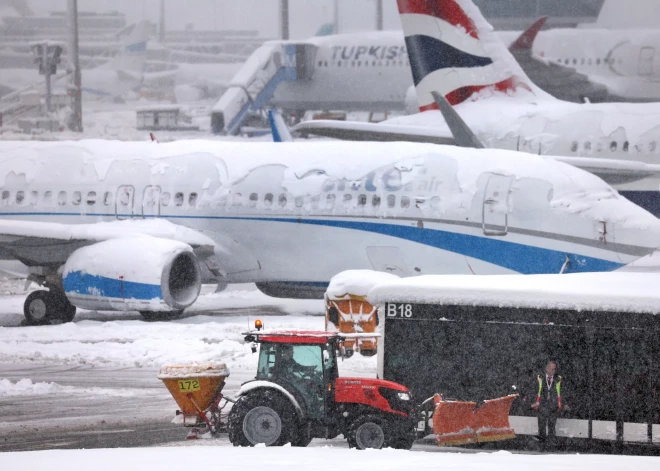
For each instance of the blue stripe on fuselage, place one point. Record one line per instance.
(526, 259)
(103, 287)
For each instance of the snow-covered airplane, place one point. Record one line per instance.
(454, 51)
(140, 226)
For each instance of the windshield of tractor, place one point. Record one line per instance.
(290, 361)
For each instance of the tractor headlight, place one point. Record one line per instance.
(404, 396)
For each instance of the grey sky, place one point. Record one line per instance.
(306, 15)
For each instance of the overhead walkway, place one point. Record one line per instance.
(255, 84)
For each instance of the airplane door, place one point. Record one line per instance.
(496, 205)
(645, 67)
(151, 202)
(124, 202)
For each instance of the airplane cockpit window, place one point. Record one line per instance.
(61, 198)
(178, 199)
(391, 201)
(268, 200)
(20, 197)
(107, 198)
(76, 198)
(48, 198)
(613, 146)
(91, 198)
(362, 200)
(405, 202)
(375, 201)
(192, 200)
(253, 199)
(282, 200)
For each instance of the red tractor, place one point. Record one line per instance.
(298, 395)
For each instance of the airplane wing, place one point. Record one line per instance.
(613, 171)
(49, 243)
(355, 131)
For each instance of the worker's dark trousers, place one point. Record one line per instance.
(549, 420)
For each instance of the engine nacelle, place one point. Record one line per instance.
(133, 273)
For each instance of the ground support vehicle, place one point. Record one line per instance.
(352, 313)
(197, 389)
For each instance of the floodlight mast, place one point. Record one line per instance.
(75, 87)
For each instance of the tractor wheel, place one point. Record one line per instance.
(301, 438)
(368, 431)
(261, 417)
(403, 442)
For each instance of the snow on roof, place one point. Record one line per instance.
(356, 282)
(613, 292)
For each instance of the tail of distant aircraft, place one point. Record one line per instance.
(454, 51)
(278, 127)
(132, 53)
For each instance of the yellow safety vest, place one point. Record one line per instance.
(557, 387)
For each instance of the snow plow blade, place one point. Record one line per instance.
(461, 423)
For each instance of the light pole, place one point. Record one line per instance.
(47, 56)
(75, 88)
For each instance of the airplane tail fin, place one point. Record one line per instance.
(525, 41)
(454, 51)
(278, 127)
(132, 53)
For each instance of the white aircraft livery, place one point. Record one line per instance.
(140, 226)
(454, 51)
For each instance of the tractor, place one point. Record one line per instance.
(297, 395)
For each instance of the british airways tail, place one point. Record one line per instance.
(278, 127)
(454, 51)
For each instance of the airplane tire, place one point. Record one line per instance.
(156, 316)
(368, 431)
(64, 310)
(38, 308)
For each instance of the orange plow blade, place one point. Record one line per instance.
(460, 423)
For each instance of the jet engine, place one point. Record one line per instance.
(142, 273)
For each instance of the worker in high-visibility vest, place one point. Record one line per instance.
(549, 402)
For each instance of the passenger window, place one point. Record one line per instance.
(238, 199)
(20, 197)
(299, 202)
(76, 198)
(652, 146)
(391, 201)
(574, 146)
(347, 199)
(328, 185)
(91, 198)
(192, 200)
(626, 145)
(330, 201)
(613, 146)
(107, 198)
(587, 145)
(253, 199)
(405, 202)
(375, 201)
(282, 200)
(34, 198)
(178, 199)
(61, 198)
(164, 199)
(48, 198)
(5, 197)
(268, 200)
(598, 61)
(362, 200)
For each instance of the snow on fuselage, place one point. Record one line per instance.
(302, 212)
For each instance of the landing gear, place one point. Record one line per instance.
(155, 316)
(45, 307)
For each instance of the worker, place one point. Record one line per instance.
(549, 403)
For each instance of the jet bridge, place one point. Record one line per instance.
(255, 84)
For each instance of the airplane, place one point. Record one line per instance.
(140, 226)
(480, 77)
